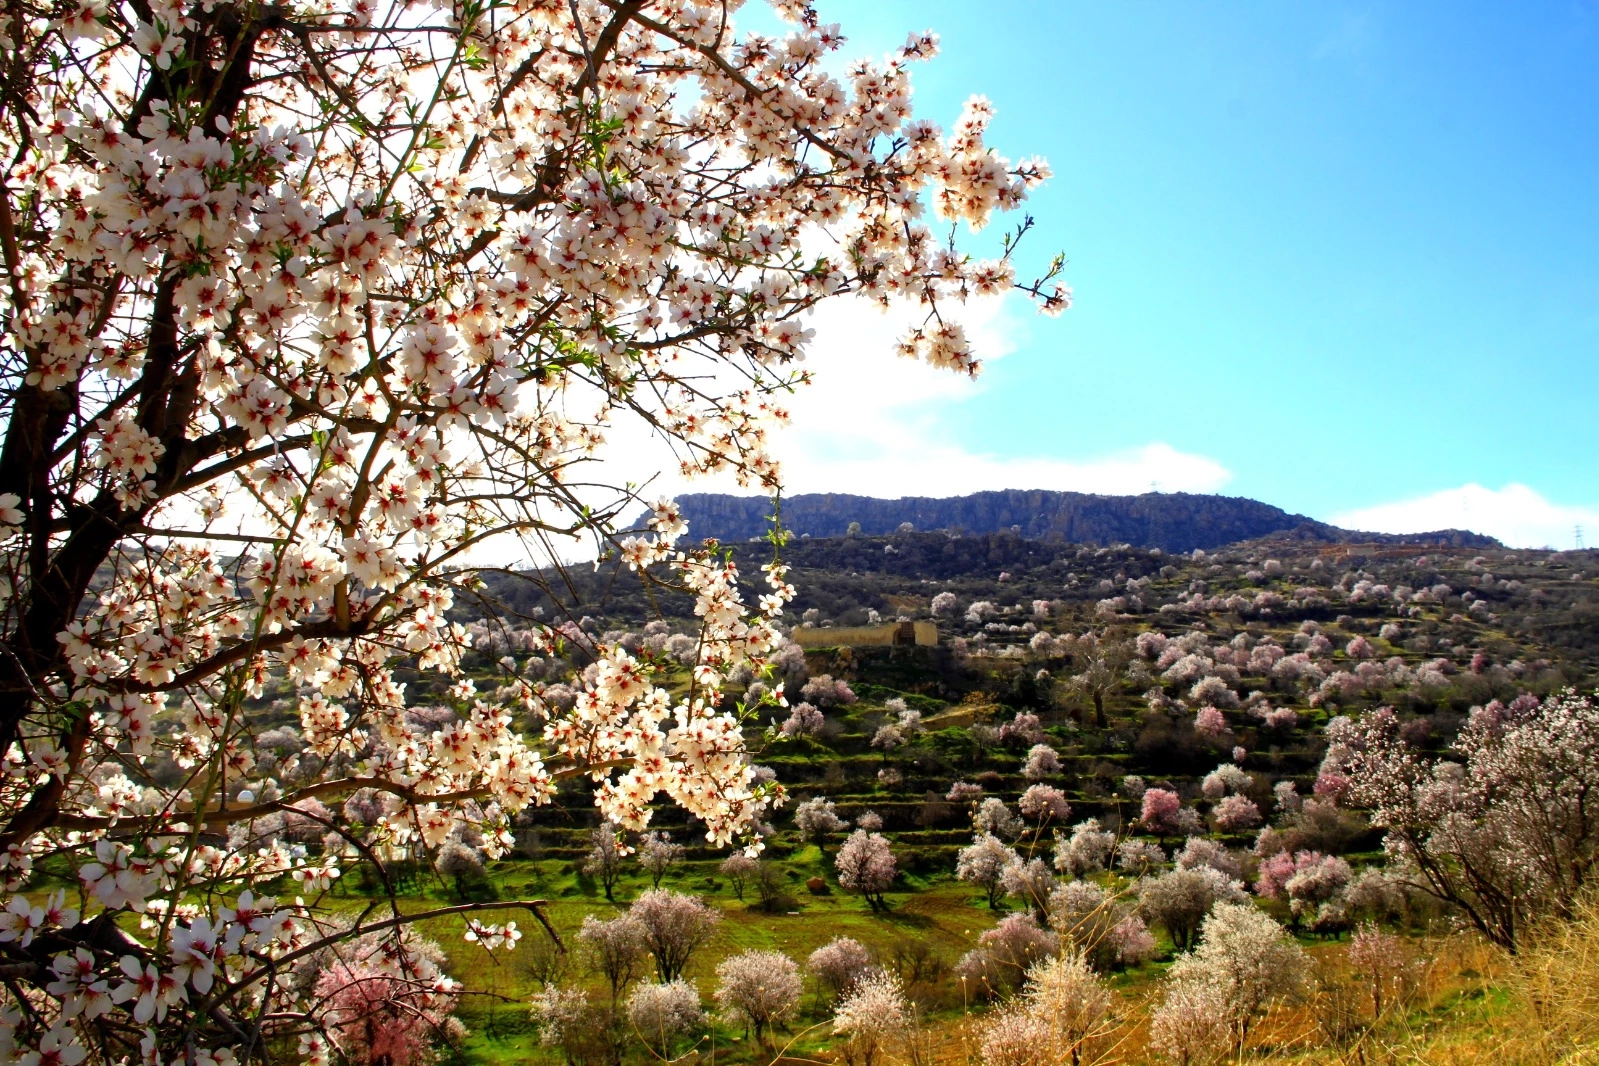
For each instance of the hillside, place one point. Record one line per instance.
(1170, 521)
(1216, 667)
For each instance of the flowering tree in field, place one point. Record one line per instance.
(382, 1000)
(1041, 761)
(661, 1013)
(803, 720)
(1190, 1025)
(872, 1018)
(837, 964)
(992, 816)
(1063, 1016)
(604, 858)
(1243, 962)
(816, 819)
(982, 863)
(657, 853)
(1235, 813)
(758, 988)
(1003, 955)
(614, 950)
(738, 868)
(1181, 899)
(674, 925)
(1029, 880)
(310, 307)
(1159, 811)
(1087, 850)
(866, 865)
(1509, 832)
(1101, 666)
(385, 1016)
(1210, 723)
(1091, 920)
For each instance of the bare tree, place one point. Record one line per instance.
(1101, 665)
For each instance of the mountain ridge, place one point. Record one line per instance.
(1171, 521)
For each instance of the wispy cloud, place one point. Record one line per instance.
(1519, 516)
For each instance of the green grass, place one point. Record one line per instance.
(945, 913)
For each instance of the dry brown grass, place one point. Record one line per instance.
(1465, 1004)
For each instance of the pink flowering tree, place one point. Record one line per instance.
(1235, 813)
(310, 310)
(386, 1016)
(1210, 723)
(983, 863)
(1160, 812)
(866, 866)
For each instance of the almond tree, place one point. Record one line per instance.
(982, 863)
(759, 988)
(866, 865)
(657, 853)
(1507, 829)
(674, 926)
(310, 309)
(1245, 961)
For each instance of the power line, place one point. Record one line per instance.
(1579, 537)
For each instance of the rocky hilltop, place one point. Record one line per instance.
(1171, 521)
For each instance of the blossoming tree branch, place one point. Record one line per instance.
(306, 308)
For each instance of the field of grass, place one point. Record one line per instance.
(947, 915)
(1465, 1011)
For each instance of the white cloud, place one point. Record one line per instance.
(876, 424)
(1517, 515)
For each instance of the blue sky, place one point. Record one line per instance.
(1347, 256)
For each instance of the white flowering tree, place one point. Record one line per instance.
(306, 310)
(1508, 830)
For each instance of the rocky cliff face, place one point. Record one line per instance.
(1173, 522)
